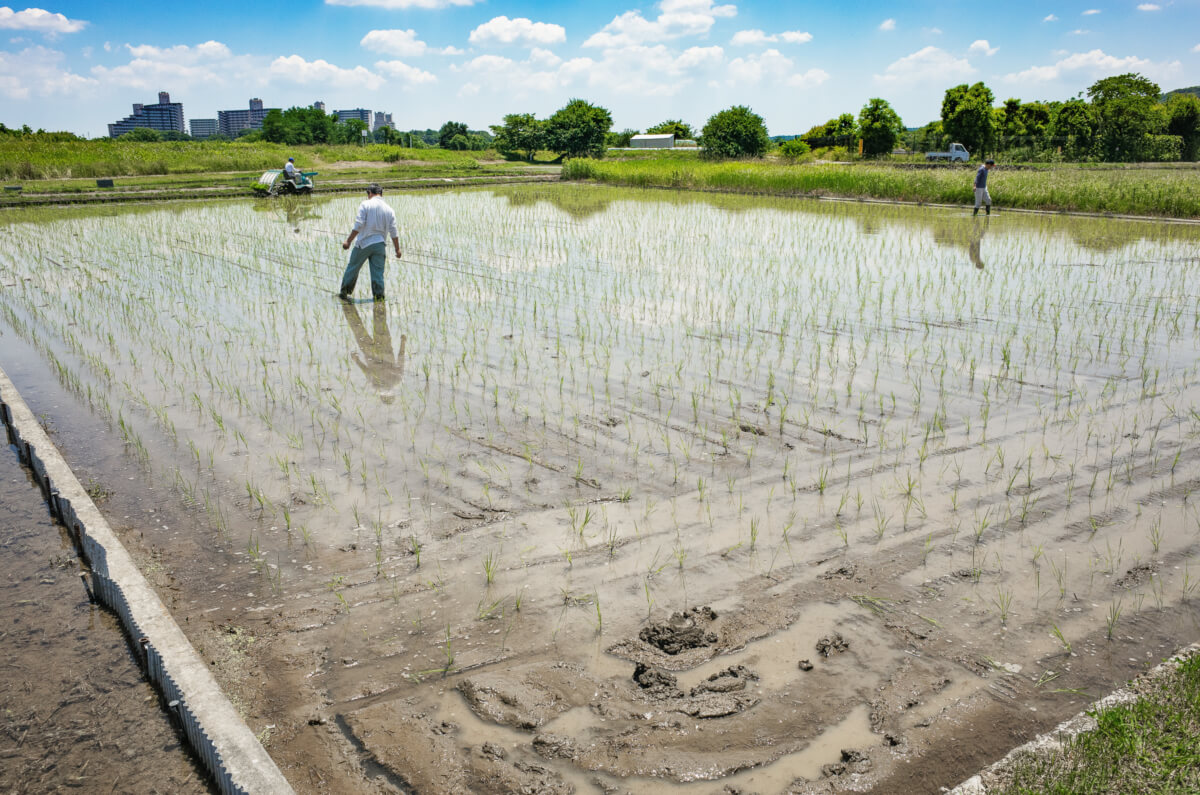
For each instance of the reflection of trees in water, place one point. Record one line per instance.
(383, 370)
(1091, 233)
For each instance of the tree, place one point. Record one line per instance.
(578, 129)
(735, 132)
(1183, 119)
(967, 116)
(679, 129)
(459, 143)
(841, 131)
(1127, 110)
(1073, 127)
(142, 134)
(879, 126)
(520, 135)
(449, 130)
(619, 140)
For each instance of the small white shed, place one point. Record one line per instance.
(666, 141)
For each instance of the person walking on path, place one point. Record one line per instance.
(981, 192)
(373, 224)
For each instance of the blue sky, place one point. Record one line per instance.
(79, 65)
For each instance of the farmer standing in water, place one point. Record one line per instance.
(374, 223)
(981, 191)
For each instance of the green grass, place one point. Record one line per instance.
(1137, 191)
(29, 159)
(1149, 746)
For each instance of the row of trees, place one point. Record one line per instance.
(578, 129)
(1124, 118)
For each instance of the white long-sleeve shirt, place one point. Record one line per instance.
(375, 222)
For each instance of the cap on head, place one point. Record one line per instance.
(291, 160)
(989, 162)
(374, 190)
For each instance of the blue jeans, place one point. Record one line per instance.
(376, 253)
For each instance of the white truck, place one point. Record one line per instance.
(957, 153)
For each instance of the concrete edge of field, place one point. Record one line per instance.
(1052, 741)
(230, 752)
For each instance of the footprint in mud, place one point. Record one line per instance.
(832, 644)
(682, 631)
(720, 695)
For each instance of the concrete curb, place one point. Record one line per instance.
(1052, 741)
(225, 745)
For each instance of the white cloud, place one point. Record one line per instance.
(752, 37)
(181, 66)
(1049, 18)
(813, 77)
(887, 24)
(40, 20)
(401, 71)
(1091, 12)
(36, 72)
(402, 4)
(935, 31)
(1080, 32)
(394, 42)
(754, 68)
(982, 46)
(1196, 48)
(296, 69)
(678, 18)
(181, 53)
(928, 64)
(502, 30)
(1149, 7)
(1093, 64)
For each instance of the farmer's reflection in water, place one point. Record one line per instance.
(382, 369)
(975, 242)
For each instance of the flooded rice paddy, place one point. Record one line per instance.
(635, 491)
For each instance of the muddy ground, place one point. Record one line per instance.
(75, 711)
(516, 574)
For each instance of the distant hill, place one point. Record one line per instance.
(1193, 90)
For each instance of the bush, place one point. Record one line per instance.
(1162, 148)
(735, 132)
(794, 149)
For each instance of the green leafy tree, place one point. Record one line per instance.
(142, 134)
(449, 130)
(1127, 110)
(679, 129)
(459, 143)
(967, 117)
(619, 140)
(521, 135)
(1012, 124)
(1073, 127)
(578, 129)
(929, 138)
(840, 131)
(879, 126)
(735, 132)
(1183, 119)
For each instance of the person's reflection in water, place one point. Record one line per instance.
(382, 369)
(975, 242)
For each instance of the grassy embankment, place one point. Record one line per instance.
(1136, 191)
(1147, 746)
(49, 171)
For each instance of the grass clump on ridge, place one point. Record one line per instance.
(1148, 746)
